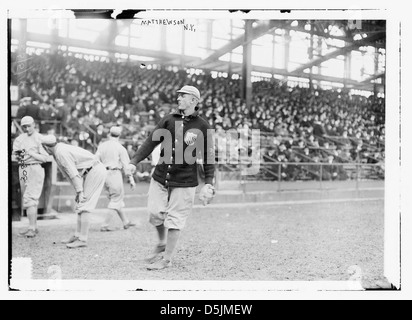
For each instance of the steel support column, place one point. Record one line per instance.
(247, 64)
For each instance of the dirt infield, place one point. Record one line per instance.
(305, 242)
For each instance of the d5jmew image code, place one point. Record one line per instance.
(221, 310)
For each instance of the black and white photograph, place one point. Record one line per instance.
(202, 151)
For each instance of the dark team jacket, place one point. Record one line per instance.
(177, 166)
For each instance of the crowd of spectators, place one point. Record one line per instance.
(80, 100)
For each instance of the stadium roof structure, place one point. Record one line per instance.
(325, 41)
(373, 33)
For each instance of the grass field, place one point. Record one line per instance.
(307, 241)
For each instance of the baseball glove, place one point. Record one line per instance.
(207, 193)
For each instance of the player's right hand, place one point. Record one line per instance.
(131, 168)
(206, 194)
(20, 154)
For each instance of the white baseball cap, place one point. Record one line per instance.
(190, 90)
(48, 139)
(26, 120)
(115, 131)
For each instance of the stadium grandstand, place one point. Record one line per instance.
(314, 88)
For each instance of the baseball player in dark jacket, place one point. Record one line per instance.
(185, 137)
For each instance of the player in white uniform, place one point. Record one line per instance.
(30, 154)
(115, 158)
(87, 175)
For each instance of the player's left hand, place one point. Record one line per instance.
(80, 197)
(30, 152)
(207, 193)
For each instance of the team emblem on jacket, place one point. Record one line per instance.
(190, 138)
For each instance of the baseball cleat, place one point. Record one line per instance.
(159, 265)
(30, 233)
(76, 244)
(106, 229)
(70, 240)
(128, 225)
(156, 255)
(24, 233)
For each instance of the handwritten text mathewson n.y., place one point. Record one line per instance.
(168, 22)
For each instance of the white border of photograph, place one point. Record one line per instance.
(267, 290)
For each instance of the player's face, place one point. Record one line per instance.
(28, 128)
(186, 103)
(48, 149)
